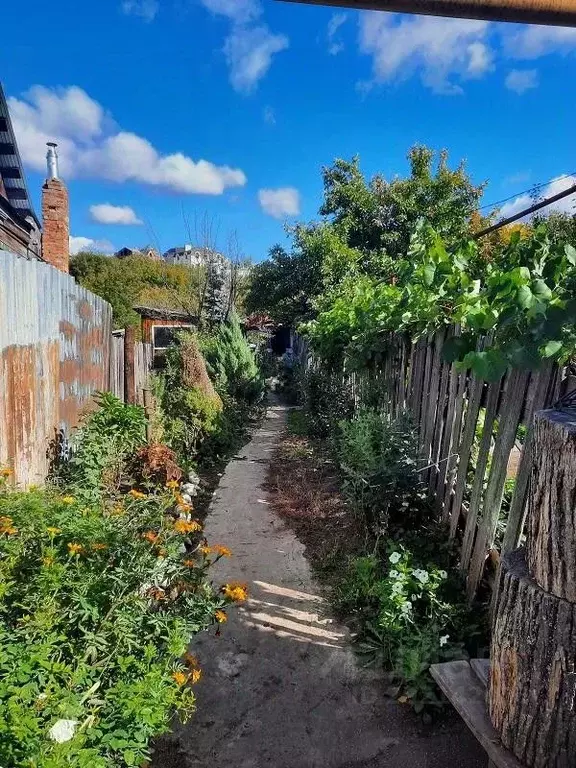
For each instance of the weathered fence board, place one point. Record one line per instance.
(54, 353)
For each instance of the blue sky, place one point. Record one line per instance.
(170, 111)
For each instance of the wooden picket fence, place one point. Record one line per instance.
(469, 437)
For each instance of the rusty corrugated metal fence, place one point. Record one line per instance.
(55, 339)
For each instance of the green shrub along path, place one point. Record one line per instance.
(281, 686)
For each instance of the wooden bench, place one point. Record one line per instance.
(464, 684)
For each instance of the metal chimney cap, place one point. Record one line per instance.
(52, 160)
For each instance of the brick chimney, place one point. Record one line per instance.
(55, 216)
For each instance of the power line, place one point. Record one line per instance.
(520, 215)
(526, 191)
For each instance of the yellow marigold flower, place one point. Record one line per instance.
(196, 675)
(99, 546)
(137, 494)
(206, 550)
(118, 509)
(235, 591)
(184, 507)
(221, 550)
(172, 484)
(179, 677)
(67, 499)
(6, 472)
(182, 526)
(10, 531)
(220, 617)
(53, 531)
(5, 522)
(48, 561)
(150, 536)
(75, 549)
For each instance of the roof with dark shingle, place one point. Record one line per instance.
(11, 171)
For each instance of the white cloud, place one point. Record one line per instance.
(335, 46)
(249, 52)
(521, 80)
(250, 45)
(105, 213)
(145, 9)
(269, 116)
(521, 177)
(565, 205)
(239, 11)
(88, 148)
(436, 49)
(79, 244)
(531, 42)
(284, 201)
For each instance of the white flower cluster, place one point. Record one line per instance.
(395, 557)
(421, 575)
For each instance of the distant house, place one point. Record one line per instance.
(19, 227)
(146, 252)
(189, 255)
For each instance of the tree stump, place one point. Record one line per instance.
(532, 690)
(551, 537)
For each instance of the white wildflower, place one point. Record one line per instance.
(63, 730)
(394, 575)
(443, 574)
(395, 557)
(444, 640)
(406, 608)
(396, 588)
(421, 575)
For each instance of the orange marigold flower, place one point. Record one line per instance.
(196, 675)
(53, 531)
(6, 472)
(235, 591)
(137, 494)
(221, 550)
(75, 549)
(182, 526)
(67, 499)
(6, 524)
(184, 507)
(189, 563)
(220, 617)
(180, 677)
(206, 550)
(99, 546)
(9, 531)
(150, 536)
(172, 484)
(191, 661)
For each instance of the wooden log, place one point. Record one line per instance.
(551, 536)
(532, 671)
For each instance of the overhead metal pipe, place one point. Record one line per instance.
(561, 13)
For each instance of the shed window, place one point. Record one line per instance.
(164, 335)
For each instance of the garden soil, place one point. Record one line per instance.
(281, 686)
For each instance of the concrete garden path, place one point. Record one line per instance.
(281, 686)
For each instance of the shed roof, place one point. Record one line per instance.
(161, 313)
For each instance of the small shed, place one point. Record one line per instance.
(159, 326)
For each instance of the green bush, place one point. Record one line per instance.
(99, 450)
(409, 613)
(97, 605)
(326, 401)
(378, 459)
(231, 363)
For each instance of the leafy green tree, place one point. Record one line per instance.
(134, 280)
